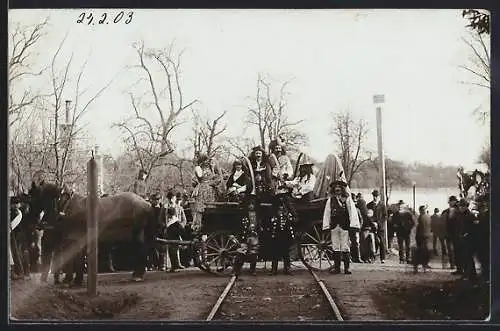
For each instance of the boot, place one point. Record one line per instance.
(111, 266)
(336, 263)
(274, 268)
(346, 258)
(356, 254)
(238, 264)
(287, 265)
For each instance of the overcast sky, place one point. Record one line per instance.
(338, 59)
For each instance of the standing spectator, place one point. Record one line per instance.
(452, 235)
(184, 251)
(368, 239)
(156, 255)
(361, 204)
(354, 235)
(174, 229)
(468, 239)
(438, 228)
(422, 238)
(380, 217)
(483, 244)
(403, 222)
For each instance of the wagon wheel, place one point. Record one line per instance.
(219, 255)
(315, 249)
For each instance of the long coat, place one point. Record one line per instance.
(354, 221)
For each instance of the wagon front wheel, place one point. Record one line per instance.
(315, 249)
(217, 254)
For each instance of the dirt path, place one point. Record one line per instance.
(186, 295)
(276, 298)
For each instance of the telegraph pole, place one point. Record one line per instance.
(92, 226)
(379, 100)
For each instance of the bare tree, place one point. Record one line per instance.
(23, 40)
(65, 134)
(270, 117)
(350, 135)
(206, 134)
(479, 66)
(157, 111)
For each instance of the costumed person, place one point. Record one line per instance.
(249, 241)
(262, 173)
(336, 219)
(139, 186)
(281, 165)
(303, 185)
(205, 190)
(282, 237)
(237, 183)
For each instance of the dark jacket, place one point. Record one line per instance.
(468, 223)
(452, 222)
(363, 208)
(339, 214)
(403, 222)
(423, 227)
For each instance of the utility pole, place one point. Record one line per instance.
(65, 134)
(92, 226)
(378, 100)
(100, 171)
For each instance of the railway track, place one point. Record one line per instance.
(335, 312)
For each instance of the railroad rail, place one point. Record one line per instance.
(331, 302)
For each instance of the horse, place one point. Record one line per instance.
(122, 217)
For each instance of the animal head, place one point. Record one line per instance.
(44, 197)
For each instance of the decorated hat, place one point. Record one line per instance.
(338, 183)
(306, 161)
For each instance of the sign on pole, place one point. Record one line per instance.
(92, 231)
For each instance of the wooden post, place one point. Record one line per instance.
(92, 221)
(377, 100)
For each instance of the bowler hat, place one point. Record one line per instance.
(452, 199)
(375, 193)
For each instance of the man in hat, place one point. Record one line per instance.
(483, 235)
(403, 222)
(336, 218)
(468, 238)
(303, 185)
(379, 216)
(262, 172)
(451, 221)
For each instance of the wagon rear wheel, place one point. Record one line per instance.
(315, 248)
(219, 255)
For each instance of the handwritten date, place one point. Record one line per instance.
(105, 18)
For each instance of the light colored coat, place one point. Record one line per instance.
(354, 219)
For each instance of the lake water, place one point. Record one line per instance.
(434, 198)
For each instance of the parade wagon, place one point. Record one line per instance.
(222, 224)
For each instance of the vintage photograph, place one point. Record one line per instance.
(249, 165)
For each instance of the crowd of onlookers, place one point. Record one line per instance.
(461, 233)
